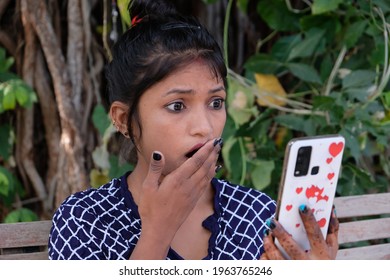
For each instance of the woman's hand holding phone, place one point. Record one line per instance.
(305, 226)
(321, 249)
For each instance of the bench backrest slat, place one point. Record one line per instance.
(364, 230)
(26, 256)
(373, 252)
(24, 234)
(362, 205)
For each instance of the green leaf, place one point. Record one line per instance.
(324, 6)
(8, 185)
(386, 99)
(298, 123)
(100, 119)
(359, 78)
(232, 157)
(122, 6)
(9, 100)
(4, 183)
(241, 102)
(22, 96)
(263, 63)
(304, 72)
(282, 49)
(308, 46)
(328, 22)
(117, 168)
(21, 215)
(276, 14)
(354, 32)
(261, 174)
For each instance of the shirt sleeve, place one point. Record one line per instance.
(76, 234)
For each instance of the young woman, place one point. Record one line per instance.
(167, 90)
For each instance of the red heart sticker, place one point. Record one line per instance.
(330, 176)
(288, 207)
(336, 148)
(298, 190)
(329, 160)
(322, 222)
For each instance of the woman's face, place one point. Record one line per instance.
(180, 114)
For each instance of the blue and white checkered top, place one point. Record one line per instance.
(104, 223)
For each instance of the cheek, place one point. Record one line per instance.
(220, 123)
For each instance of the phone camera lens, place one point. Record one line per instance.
(315, 170)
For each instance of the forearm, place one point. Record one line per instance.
(151, 247)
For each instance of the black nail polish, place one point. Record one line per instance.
(218, 168)
(220, 142)
(156, 156)
(216, 141)
(266, 232)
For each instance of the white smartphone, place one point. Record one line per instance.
(310, 173)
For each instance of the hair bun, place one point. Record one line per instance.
(154, 8)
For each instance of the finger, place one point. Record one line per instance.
(264, 257)
(271, 251)
(202, 163)
(285, 239)
(334, 222)
(314, 234)
(332, 236)
(155, 169)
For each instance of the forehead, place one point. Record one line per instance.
(195, 74)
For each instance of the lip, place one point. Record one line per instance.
(193, 150)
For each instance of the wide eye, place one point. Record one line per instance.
(217, 103)
(176, 106)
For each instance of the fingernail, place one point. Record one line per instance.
(156, 156)
(270, 223)
(218, 168)
(220, 142)
(303, 209)
(266, 232)
(217, 141)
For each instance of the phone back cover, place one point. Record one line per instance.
(316, 191)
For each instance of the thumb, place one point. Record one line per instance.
(155, 168)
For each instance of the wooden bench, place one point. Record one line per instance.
(24, 241)
(364, 221)
(364, 226)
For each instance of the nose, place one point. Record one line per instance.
(200, 124)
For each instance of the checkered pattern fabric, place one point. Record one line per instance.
(104, 223)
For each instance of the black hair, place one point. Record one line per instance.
(160, 42)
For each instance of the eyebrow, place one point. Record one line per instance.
(190, 91)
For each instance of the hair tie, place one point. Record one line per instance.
(135, 20)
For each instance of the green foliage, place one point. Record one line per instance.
(332, 58)
(107, 165)
(13, 92)
(21, 215)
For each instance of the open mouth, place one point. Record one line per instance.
(193, 152)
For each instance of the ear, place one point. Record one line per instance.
(119, 113)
